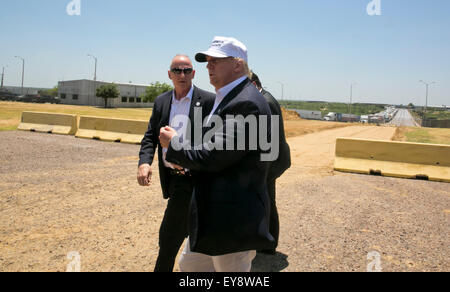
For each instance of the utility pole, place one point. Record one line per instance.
(95, 70)
(426, 99)
(95, 79)
(3, 76)
(23, 69)
(282, 90)
(351, 97)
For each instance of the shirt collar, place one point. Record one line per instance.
(221, 93)
(188, 96)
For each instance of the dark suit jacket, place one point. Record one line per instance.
(230, 207)
(159, 119)
(279, 166)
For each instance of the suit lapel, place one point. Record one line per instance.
(165, 115)
(233, 93)
(195, 102)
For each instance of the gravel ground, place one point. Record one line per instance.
(60, 194)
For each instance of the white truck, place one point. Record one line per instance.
(364, 119)
(331, 117)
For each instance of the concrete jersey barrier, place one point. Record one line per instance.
(112, 130)
(396, 159)
(63, 124)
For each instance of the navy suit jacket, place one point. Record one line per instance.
(279, 166)
(229, 210)
(159, 119)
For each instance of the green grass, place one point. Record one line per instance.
(8, 128)
(439, 115)
(326, 107)
(428, 135)
(433, 113)
(419, 136)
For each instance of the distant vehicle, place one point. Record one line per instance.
(332, 116)
(348, 118)
(364, 119)
(310, 115)
(338, 117)
(7, 96)
(375, 119)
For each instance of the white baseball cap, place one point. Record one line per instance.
(223, 47)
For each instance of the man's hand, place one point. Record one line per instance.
(165, 136)
(177, 167)
(144, 175)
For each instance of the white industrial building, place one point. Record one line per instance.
(23, 91)
(82, 92)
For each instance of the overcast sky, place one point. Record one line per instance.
(316, 48)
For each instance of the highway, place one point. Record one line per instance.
(404, 118)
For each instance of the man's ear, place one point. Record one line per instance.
(193, 74)
(239, 66)
(169, 73)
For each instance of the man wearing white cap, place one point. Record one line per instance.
(230, 206)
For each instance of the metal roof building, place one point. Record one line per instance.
(82, 92)
(26, 90)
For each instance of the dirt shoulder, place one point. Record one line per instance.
(60, 194)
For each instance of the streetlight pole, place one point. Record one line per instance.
(426, 98)
(95, 71)
(95, 77)
(351, 97)
(3, 76)
(23, 69)
(282, 90)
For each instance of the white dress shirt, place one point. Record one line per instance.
(222, 92)
(181, 109)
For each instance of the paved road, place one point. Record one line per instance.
(404, 118)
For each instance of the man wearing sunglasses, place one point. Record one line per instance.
(176, 182)
(229, 214)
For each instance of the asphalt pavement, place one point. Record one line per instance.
(403, 118)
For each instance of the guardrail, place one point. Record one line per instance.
(63, 124)
(112, 130)
(104, 129)
(396, 159)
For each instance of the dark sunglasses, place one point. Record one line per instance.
(178, 71)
